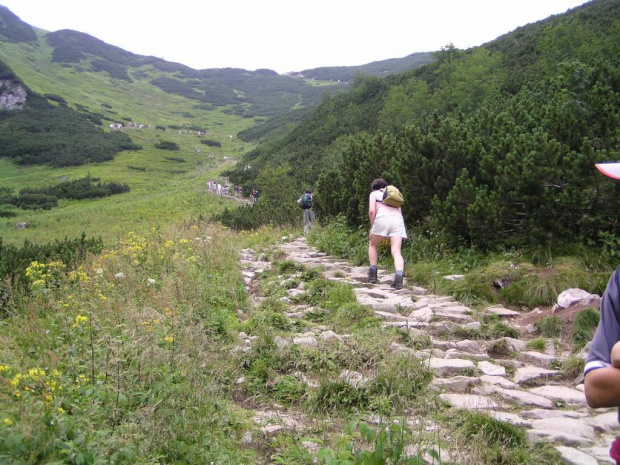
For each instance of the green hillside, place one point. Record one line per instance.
(381, 68)
(493, 146)
(145, 321)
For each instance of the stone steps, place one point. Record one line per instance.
(527, 394)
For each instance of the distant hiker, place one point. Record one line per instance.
(385, 221)
(305, 202)
(255, 196)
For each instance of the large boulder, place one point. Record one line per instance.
(574, 296)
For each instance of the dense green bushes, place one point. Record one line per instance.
(167, 145)
(211, 143)
(494, 146)
(264, 212)
(14, 260)
(46, 198)
(56, 135)
(516, 172)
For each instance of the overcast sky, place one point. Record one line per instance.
(286, 35)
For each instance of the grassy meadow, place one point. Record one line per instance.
(166, 187)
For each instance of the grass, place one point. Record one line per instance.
(99, 364)
(549, 326)
(584, 325)
(162, 192)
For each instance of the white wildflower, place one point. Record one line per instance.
(120, 275)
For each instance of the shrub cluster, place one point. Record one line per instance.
(47, 197)
(167, 145)
(14, 260)
(211, 143)
(57, 135)
(263, 213)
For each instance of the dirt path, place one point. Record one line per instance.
(522, 387)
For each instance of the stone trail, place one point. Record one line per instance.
(553, 410)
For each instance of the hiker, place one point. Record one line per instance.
(602, 368)
(305, 202)
(255, 196)
(385, 221)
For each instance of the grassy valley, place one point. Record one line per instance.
(198, 332)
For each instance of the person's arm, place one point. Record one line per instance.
(372, 208)
(602, 379)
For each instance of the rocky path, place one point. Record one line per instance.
(523, 387)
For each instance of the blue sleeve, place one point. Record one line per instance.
(608, 331)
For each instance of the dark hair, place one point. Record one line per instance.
(377, 184)
(308, 191)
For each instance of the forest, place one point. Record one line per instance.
(493, 147)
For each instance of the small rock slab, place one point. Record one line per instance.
(453, 353)
(605, 422)
(457, 384)
(491, 369)
(501, 311)
(540, 414)
(498, 381)
(450, 367)
(568, 396)
(511, 418)
(515, 395)
(536, 358)
(308, 341)
(469, 401)
(529, 373)
(572, 456)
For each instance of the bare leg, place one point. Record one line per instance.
(395, 246)
(373, 244)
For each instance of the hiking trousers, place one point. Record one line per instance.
(308, 217)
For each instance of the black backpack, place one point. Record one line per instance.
(306, 201)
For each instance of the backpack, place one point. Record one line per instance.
(306, 201)
(393, 197)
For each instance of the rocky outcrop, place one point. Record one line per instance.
(12, 95)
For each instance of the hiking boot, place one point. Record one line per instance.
(372, 276)
(398, 282)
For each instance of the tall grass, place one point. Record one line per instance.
(121, 360)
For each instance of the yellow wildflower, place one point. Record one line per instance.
(16, 379)
(79, 320)
(7, 422)
(36, 374)
(60, 410)
(4, 368)
(169, 339)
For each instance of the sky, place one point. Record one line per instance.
(286, 35)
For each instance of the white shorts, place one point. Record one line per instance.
(387, 226)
